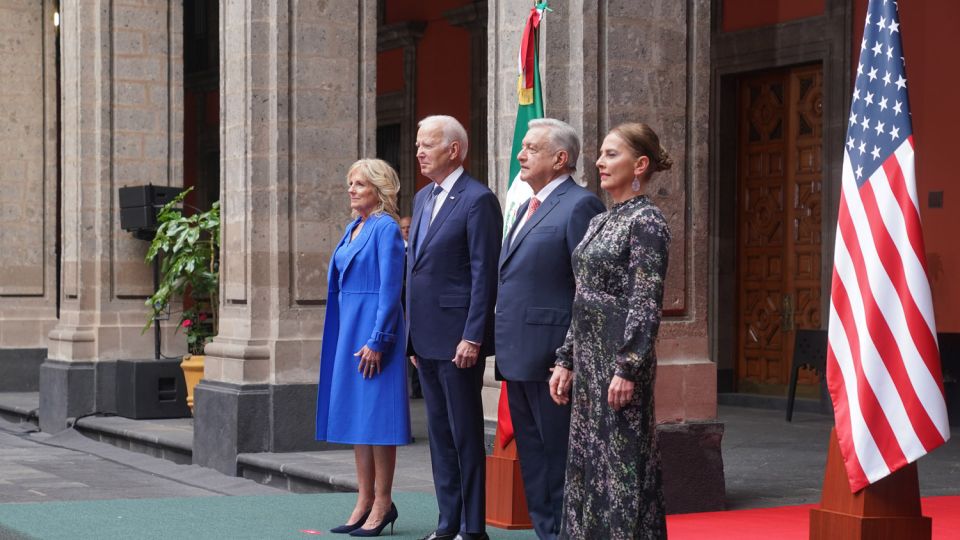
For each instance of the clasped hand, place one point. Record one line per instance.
(466, 356)
(620, 393)
(369, 364)
(560, 383)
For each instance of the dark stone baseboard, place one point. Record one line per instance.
(73, 389)
(231, 419)
(294, 418)
(67, 390)
(20, 369)
(106, 398)
(692, 466)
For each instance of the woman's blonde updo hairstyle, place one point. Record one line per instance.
(644, 142)
(384, 179)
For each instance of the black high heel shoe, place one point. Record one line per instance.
(388, 519)
(350, 527)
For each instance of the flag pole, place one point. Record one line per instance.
(888, 508)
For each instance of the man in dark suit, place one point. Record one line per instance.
(533, 310)
(451, 290)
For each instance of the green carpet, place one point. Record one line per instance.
(222, 518)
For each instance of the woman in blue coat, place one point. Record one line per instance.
(362, 397)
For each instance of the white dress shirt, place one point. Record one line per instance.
(446, 185)
(542, 196)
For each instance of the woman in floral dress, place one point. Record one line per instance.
(613, 487)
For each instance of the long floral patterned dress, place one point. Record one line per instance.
(613, 488)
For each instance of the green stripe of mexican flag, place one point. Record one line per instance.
(530, 106)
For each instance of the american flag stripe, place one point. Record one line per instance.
(854, 400)
(899, 214)
(905, 278)
(881, 312)
(906, 195)
(860, 326)
(864, 452)
(888, 278)
(903, 265)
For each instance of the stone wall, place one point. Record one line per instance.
(122, 126)
(28, 175)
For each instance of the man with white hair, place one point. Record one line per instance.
(533, 310)
(451, 290)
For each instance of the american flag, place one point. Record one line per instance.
(883, 364)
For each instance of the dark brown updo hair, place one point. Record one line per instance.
(644, 142)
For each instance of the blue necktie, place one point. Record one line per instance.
(426, 217)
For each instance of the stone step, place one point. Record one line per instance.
(169, 439)
(20, 407)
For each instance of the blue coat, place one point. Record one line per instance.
(363, 308)
(536, 282)
(452, 282)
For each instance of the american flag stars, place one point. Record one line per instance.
(876, 124)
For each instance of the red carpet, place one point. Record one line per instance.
(790, 522)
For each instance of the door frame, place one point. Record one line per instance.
(825, 39)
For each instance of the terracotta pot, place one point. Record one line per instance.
(192, 367)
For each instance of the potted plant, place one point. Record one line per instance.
(188, 247)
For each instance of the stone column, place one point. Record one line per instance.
(121, 125)
(298, 97)
(28, 190)
(473, 17)
(639, 60)
(505, 21)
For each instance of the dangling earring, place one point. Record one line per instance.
(636, 184)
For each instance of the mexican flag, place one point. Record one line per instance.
(530, 106)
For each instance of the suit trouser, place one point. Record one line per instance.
(457, 453)
(542, 430)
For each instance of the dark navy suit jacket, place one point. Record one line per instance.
(452, 282)
(536, 282)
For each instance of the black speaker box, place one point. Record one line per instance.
(139, 205)
(151, 389)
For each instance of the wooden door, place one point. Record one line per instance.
(778, 244)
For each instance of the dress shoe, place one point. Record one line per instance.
(350, 527)
(388, 519)
(437, 535)
(472, 536)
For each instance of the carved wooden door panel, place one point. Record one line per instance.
(779, 199)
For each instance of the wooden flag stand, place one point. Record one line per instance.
(506, 503)
(888, 509)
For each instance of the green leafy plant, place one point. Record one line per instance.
(188, 247)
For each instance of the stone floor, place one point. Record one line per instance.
(39, 467)
(767, 461)
(770, 462)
